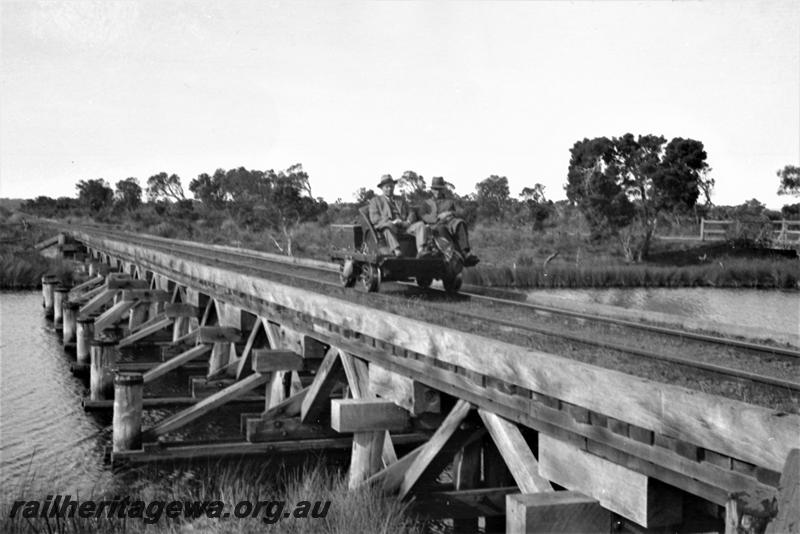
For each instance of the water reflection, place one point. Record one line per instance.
(772, 310)
(46, 439)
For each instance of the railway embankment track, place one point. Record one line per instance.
(766, 374)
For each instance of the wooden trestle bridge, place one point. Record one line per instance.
(537, 442)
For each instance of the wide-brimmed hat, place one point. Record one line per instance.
(437, 182)
(386, 179)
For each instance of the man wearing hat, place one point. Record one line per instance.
(391, 215)
(444, 216)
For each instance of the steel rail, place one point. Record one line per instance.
(202, 254)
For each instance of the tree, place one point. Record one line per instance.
(790, 180)
(791, 211)
(209, 190)
(94, 194)
(290, 202)
(165, 187)
(492, 196)
(535, 193)
(412, 187)
(129, 193)
(364, 195)
(622, 184)
(539, 208)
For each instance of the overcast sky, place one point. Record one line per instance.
(353, 90)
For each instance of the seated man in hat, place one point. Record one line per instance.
(391, 216)
(444, 216)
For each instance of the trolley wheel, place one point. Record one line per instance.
(424, 281)
(452, 283)
(347, 273)
(370, 277)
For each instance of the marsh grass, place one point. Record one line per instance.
(351, 511)
(21, 265)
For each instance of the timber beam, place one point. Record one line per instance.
(97, 302)
(165, 451)
(451, 436)
(113, 315)
(117, 283)
(176, 362)
(146, 331)
(462, 504)
(290, 407)
(403, 391)
(146, 295)
(516, 453)
(368, 415)
(317, 399)
(179, 309)
(268, 360)
(184, 417)
(561, 511)
(218, 334)
(617, 488)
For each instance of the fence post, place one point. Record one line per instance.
(703, 229)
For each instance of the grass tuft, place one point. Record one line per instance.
(351, 511)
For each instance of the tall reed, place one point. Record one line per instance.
(351, 511)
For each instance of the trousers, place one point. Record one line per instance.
(417, 229)
(456, 231)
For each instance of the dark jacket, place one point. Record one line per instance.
(382, 211)
(434, 206)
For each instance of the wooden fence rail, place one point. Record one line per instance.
(784, 233)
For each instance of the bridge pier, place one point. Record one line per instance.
(59, 299)
(70, 316)
(127, 417)
(48, 287)
(84, 336)
(101, 374)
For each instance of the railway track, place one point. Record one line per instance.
(324, 275)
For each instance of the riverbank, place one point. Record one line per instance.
(21, 265)
(301, 499)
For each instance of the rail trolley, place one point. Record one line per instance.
(366, 259)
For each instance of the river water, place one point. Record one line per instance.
(46, 439)
(771, 310)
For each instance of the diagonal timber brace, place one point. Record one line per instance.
(185, 417)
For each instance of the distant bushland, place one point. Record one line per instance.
(522, 241)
